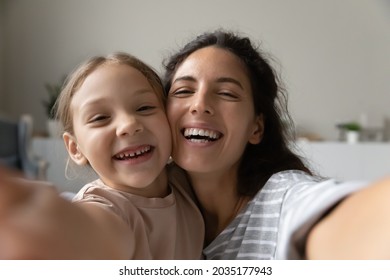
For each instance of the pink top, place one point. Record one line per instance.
(163, 228)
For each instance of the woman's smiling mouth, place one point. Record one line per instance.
(201, 135)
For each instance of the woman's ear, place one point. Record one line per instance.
(258, 130)
(73, 149)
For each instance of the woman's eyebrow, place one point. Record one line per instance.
(184, 78)
(230, 80)
(219, 80)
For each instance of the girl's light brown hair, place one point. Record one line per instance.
(73, 83)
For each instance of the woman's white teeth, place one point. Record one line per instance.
(133, 154)
(203, 134)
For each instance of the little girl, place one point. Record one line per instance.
(112, 110)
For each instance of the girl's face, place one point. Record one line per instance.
(120, 128)
(210, 109)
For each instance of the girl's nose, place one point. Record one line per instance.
(129, 125)
(201, 103)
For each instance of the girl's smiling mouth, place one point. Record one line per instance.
(134, 153)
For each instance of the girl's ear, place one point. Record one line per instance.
(258, 130)
(73, 149)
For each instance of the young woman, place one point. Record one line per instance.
(258, 199)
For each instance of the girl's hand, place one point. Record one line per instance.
(27, 222)
(36, 223)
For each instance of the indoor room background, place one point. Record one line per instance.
(333, 55)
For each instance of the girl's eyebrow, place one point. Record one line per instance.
(93, 102)
(219, 80)
(103, 100)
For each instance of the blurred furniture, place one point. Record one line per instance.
(62, 172)
(361, 161)
(365, 161)
(15, 148)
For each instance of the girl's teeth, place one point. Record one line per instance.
(133, 154)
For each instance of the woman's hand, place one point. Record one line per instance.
(358, 228)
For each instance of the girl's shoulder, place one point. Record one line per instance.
(178, 179)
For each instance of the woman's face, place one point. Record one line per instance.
(210, 109)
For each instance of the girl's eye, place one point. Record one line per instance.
(98, 118)
(145, 108)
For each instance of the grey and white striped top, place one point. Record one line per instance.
(275, 222)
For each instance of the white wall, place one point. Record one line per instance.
(334, 55)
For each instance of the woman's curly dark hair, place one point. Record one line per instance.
(273, 153)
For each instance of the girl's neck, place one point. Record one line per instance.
(219, 201)
(158, 188)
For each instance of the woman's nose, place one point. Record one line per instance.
(128, 125)
(201, 103)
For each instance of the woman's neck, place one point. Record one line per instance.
(219, 201)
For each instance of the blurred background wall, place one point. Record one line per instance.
(334, 55)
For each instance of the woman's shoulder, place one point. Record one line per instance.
(293, 175)
(284, 180)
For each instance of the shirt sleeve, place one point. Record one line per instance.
(304, 204)
(104, 197)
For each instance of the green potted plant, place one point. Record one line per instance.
(53, 93)
(352, 126)
(352, 131)
(53, 90)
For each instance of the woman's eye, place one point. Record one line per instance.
(228, 95)
(181, 92)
